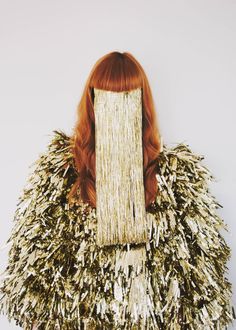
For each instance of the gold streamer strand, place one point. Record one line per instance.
(59, 276)
(121, 214)
(120, 199)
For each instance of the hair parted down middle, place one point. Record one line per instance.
(116, 72)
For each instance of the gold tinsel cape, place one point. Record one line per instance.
(59, 276)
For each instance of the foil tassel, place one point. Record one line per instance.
(120, 196)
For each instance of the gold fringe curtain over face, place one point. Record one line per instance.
(120, 195)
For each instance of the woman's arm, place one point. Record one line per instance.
(37, 244)
(190, 247)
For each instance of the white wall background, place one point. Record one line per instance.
(186, 47)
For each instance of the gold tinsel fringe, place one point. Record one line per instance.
(59, 276)
(120, 199)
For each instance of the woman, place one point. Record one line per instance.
(114, 229)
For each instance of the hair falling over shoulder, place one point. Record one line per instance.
(116, 72)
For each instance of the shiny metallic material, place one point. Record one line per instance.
(58, 276)
(120, 196)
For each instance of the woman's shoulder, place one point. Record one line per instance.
(177, 163)
(58, 153)
(62, 142)
(180, 149)
(181, 157)
(50, 175)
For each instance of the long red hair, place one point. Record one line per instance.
(115, 72)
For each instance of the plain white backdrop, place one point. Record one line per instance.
(187, 49)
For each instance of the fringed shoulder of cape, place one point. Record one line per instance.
(57, 275)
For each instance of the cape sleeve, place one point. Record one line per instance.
(189, 253)
(39, 252)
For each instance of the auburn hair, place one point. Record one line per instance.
(116, 72)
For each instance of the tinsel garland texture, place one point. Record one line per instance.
(59, 277)
(120, 195)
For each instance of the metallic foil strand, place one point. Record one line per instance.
(120, 199)
(58, 277)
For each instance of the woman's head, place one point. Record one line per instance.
(116, 72)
